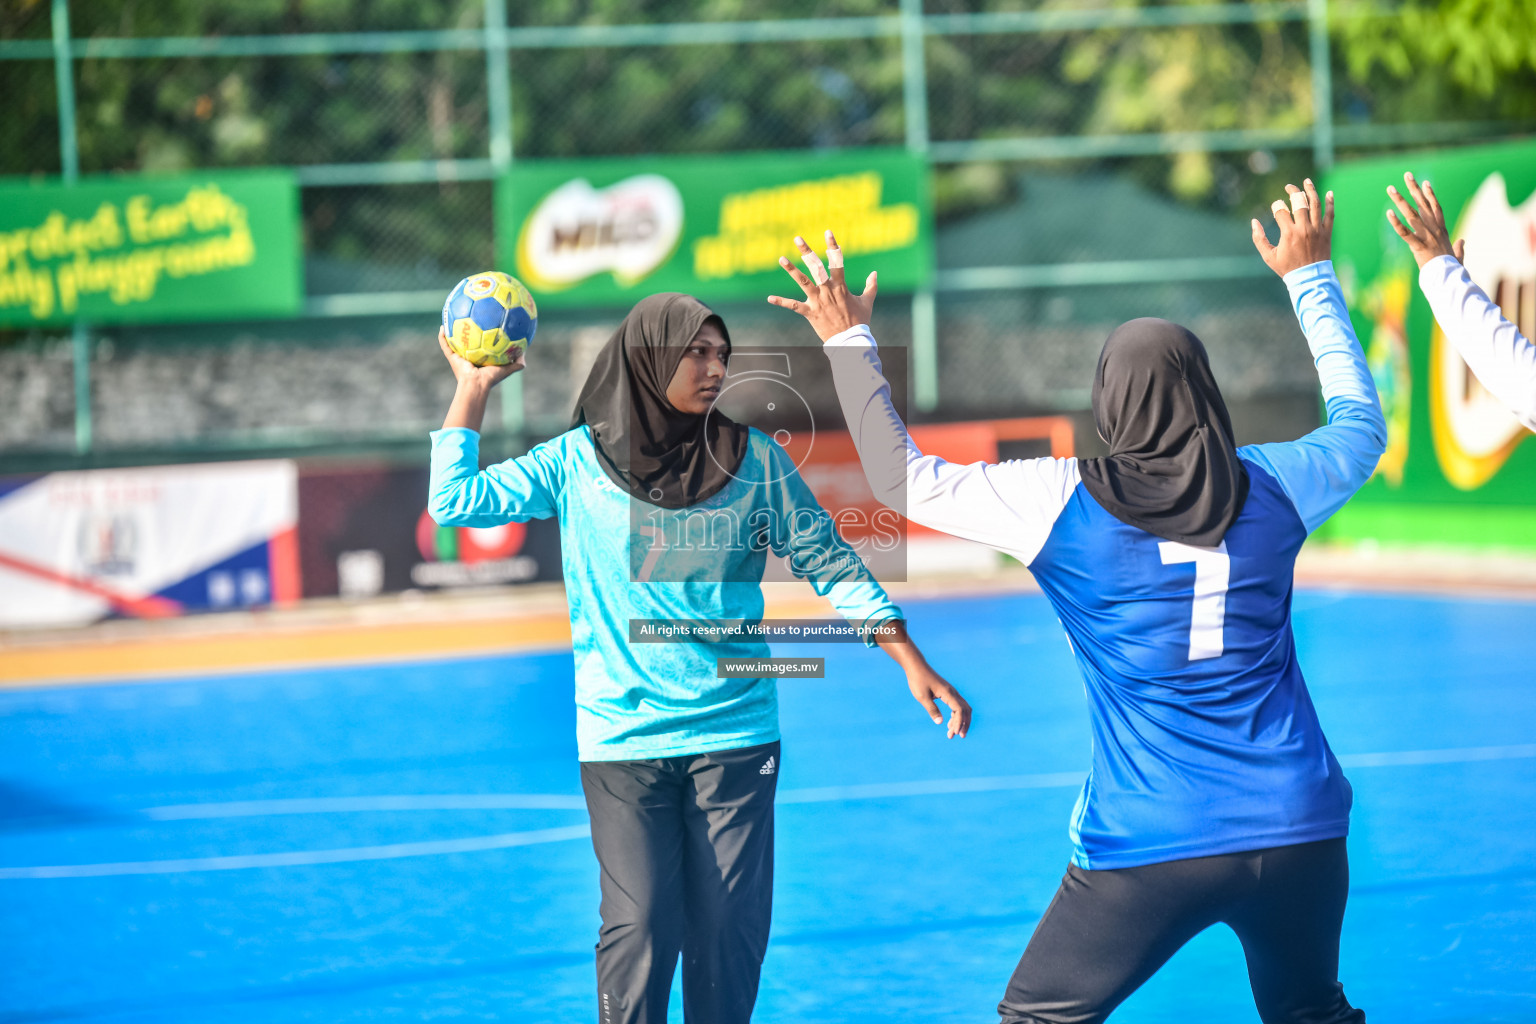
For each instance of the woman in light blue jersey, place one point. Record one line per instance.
(667, 512)
(1213, 795)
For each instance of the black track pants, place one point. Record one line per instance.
(1107, 932)
(686, 850)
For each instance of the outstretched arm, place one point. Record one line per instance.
(1009, 506)
(459, 492)
(1499, 355)
(806, 535)
(1321, 471)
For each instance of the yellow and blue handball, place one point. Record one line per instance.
(490, 318)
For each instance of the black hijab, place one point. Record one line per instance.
(659, 455)
(1172, 467)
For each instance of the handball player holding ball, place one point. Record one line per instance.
(678, 766)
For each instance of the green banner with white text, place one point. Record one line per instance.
(215, 246)
(611, 231)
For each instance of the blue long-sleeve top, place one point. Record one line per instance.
(1205, 740)
(625, 559)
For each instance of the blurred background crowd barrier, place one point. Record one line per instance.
(1076, 165)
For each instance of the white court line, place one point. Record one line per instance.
(515, 801)
(360, 804)
(1454, 755)
(982, 784)
(302, 857)
(556, 802)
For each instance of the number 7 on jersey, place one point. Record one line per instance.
(1212, 575)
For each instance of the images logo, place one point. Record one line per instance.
(757, 392)
(1474, 433)
(629, 228)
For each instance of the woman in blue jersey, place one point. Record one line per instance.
(667, 510)
(1213, 795)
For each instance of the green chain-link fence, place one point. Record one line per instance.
(1090, 164)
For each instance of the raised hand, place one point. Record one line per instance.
(466, 372)
(1422, 224)
(1306, 230)
(829, 306)
(474, 386)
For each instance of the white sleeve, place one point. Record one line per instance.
(1010, 506)
(1502, 358)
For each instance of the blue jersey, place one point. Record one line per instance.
(1205, 740)
(645, 700)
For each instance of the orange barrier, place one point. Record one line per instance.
(271, 646)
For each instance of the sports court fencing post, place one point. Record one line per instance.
(914, 98)
(1322, 83)
(69, 160)
(498, 81)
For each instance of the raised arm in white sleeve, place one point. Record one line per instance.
(1502, 358)
(1009, 506)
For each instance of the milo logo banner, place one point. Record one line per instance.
(110, 250)
(609, 232)
(1458, 467)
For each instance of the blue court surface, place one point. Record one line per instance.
(407, 842)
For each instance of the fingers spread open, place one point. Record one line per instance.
(1261, 241)
(1397, 226)
(1459, 250)
(793, 305)
(1314, 205)
(1300, 209)
(1409, 215)
(1328, 212)
(1413, 190)
(1282, 217)
(800, 279)
(1432, 201)
(834, 258)
(812, 262)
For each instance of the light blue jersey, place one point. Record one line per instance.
(1205, 740)
(647, 700)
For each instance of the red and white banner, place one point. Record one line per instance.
(80, 546)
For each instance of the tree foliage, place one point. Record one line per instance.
(1424, 60)
(1482, 48)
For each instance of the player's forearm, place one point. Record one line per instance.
(879, 435)
(894, 641)
(468, 407)
(1349, 391)
(1009, 507)
(901, 477)
(1502, 358)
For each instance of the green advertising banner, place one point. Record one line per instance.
(609, 232)
(1459, 468)
(214, 246)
